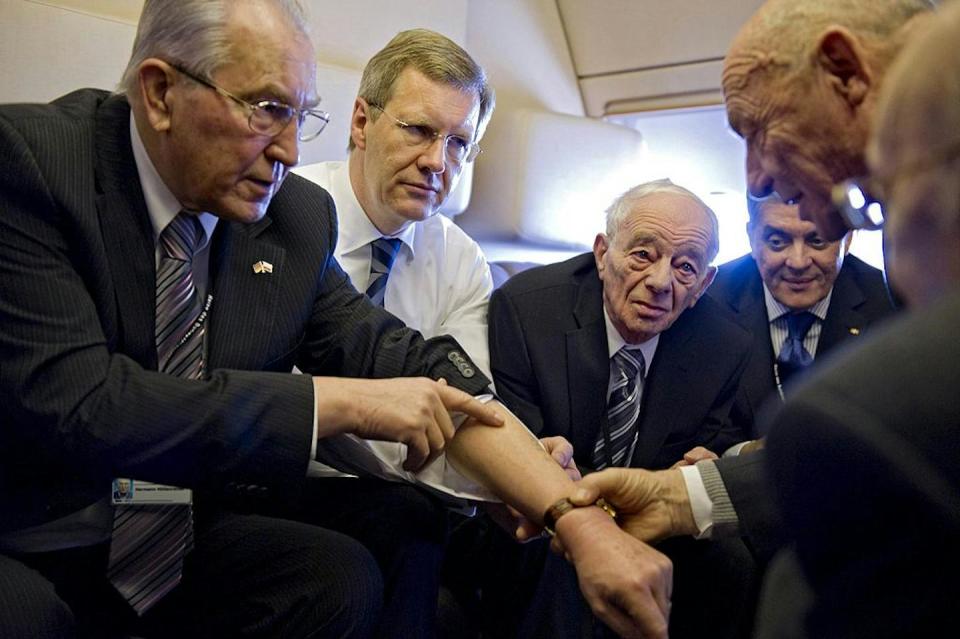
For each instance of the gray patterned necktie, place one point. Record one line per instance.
(614, 447)
(383, 252)
(149, 542)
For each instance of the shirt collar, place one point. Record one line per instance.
(162, 205)
(776, 310)
(356, 229)
(615, 341)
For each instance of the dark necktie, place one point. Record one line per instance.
(149, 542)
(383, 252)
(794, 357)
(614, 447)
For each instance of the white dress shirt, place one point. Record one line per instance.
(440, 283)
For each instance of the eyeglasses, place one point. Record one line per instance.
(269, 117)
(456, 148)
(862, 201)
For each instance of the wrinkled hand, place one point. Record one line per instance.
(412, 411)
(694, 455)
(651, 505)
(627, 583)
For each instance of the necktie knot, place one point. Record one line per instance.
(798, 324)
(181, 237)
(383, 252)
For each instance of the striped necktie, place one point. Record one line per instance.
(149, 542)
(615, 445)
(383, 252)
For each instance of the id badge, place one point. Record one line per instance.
(138, 492)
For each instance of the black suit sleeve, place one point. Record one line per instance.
(513, 373)
(748, 484)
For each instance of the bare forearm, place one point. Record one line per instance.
(511, 463)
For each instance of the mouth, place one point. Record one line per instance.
(650, 311)
(798, 283)
(261, 188)
(419, 187)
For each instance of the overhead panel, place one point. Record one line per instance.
(650, 54)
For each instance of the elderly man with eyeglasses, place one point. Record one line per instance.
(161, 274)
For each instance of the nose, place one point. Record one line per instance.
(660, 276)
(759, 182)
(284, 147)
(433, 158)
(797, 257)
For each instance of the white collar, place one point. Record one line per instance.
(615, 341)
(162, 205)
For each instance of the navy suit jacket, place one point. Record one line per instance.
(550, 362)
(859, 300)
(82, 399)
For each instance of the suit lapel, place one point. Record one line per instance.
(588, 368)
(843, 316)
(241, 336)
(127, 234)
(664, 392)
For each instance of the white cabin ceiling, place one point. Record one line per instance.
(640, 55)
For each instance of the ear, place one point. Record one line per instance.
(600, 247)
(846, 241)
(843, 59)
(705, 284)
(358, 122)
(155, 80)
(755, 245)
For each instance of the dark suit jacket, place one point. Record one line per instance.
(549, 356)
(864, 461)
(82, 399)
(859, 300)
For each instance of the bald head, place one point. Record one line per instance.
(915, 161)
(800, 83)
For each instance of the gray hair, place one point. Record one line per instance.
(755, 205)
(193, 33)
(623, 205)
(435, 56)
(786, 31)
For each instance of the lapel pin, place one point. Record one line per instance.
(262, 267)
(854, 331)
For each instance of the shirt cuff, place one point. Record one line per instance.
(347, 455)
(700, 502)
(313, 440)
(734, 450)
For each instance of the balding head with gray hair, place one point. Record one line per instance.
(800, 83)
(624, 204)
